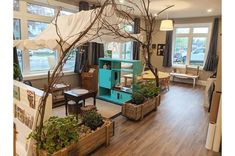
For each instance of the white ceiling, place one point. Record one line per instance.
(182, 8)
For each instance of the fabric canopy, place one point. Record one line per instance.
(69, 28)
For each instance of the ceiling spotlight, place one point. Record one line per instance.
(209, 10)
(121, 1)
(155, 15)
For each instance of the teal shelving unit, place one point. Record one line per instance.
(111, 76)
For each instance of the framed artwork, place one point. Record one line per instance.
(31, 98)
(160, 49)
(16, 92)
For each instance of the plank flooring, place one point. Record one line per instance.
(177, 128)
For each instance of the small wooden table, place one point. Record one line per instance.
(70, 95)
(148, 75)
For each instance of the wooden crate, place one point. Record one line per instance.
(86, 144)
(137, 112)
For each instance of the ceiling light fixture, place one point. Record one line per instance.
(166, 25)
(121, 1)
(209, 10)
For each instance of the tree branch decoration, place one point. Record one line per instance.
(57, 73)
(105, 27)
(125, 12)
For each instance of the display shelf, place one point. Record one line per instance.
(109, 78)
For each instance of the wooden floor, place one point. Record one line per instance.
(177, 128)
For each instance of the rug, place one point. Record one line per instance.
(106, 109)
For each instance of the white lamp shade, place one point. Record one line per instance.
(166, 25)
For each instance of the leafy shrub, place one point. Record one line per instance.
(149, 89)
(137, 98)
(92, 119)
(57, 133)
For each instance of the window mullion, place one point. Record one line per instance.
(26, 64)
(189, 46)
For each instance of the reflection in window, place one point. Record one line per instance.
(34, 28)
(40, 10)
(16, 5)
(16, 29)
(70, 63)
(38, 59)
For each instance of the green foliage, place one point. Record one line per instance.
(57, 133)
(92, 119)
(17, 72)
(137, 98)
(149, 89)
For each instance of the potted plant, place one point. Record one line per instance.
(144, 100)
(58, 134)
(73, 136)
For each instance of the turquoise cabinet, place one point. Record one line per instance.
(110, 71)
(119, 96)
(105, 78)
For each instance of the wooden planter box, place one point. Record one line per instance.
(86, 144)
(137, 112)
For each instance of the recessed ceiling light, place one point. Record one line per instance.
(209, 10)
(121, 1)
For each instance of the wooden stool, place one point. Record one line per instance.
(73, 108)
(88, 108)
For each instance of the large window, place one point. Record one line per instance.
(16, 30)
(35, 28)
(40, 10)
(39, 59)
(37, 18)
(70, 63)
(191, 44)
(16, 5)
(65, 12)
(121, 50)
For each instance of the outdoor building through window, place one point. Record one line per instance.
(190, 44)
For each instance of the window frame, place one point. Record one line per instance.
(41, 5)
(122, 45)
(24, 17)
(190, 36)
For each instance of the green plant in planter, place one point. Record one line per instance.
(92, 119)
(17, 73)
(58, 133)
(149, 89)
(137, 98)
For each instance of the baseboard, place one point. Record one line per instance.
(188, 81)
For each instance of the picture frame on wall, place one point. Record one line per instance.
(16, 92)
(160, 49)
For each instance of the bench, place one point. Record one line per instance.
(190, 73)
